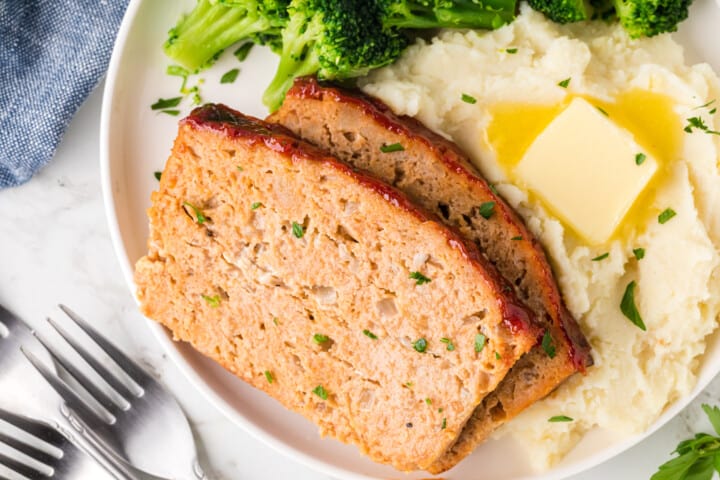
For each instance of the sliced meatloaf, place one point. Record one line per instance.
(436, 175)
(325, 288)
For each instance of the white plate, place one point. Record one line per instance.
(135, 142)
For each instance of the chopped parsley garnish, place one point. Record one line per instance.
(705, 105)
(639, 253)
(666, 215)
(519, 237)
(564, 83)
(601, 257)
(713, 111)
(158, 176)
(320, 338)
(393, 147)
(601, 110)
(480, 341)
(492, 188)
(548, 345)
(370, 334)
(419, 278)
(440, 410)
(468, 99)
(450, 345)
(172, 113)
(409, 384)
(640, 158)
(297, 230)
(213, 301)
(275, 321)
(428, 401)
(443, 425)
(320, 392)
(164, 103)
(243, 51)
(420, 345)
(497, 356)
(240, 169)
(628, 308)
(511, 50)
(560, 418)
(269, 376)
(486, 210)
(697, 123)
(256, 205)
(230, 76)
(200, 217)
(698, 456)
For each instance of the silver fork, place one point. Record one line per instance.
(35, 398)
(143, 425)
(67, 461)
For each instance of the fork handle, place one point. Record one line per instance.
(106, 453)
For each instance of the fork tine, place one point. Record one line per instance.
(29, 450)
(33, 427)
(126, 363)
(70, 397)
(82, 379)
(21, 468)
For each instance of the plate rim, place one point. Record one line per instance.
(164, 338)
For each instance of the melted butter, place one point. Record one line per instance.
(648, 116)
(514, 127)
(652, 120)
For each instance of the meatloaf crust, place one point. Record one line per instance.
(325, 288)
(435, 174)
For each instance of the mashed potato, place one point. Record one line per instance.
(637, 374)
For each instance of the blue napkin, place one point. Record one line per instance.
(52, 54)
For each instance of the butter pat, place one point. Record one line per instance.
(585, 168)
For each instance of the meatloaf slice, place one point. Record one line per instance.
(435, 174)
(325, 288)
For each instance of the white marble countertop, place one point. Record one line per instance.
(55, 247)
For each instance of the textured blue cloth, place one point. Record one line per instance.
(52, 54)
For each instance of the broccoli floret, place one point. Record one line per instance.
(640, 18)
(213, 25)
(563, 11)
(603, 10)
(646, 18)
(271, 39)
(333, 39)
(487, 14)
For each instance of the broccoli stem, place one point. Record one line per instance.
(287, 71)
(298, 58)
(207, 30)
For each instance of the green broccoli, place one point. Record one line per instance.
(646, 18)
(640, 18)
(334, 39)
(603, 10)
(489, 14)
(271, 39)
(563, 11)
(213, 25)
